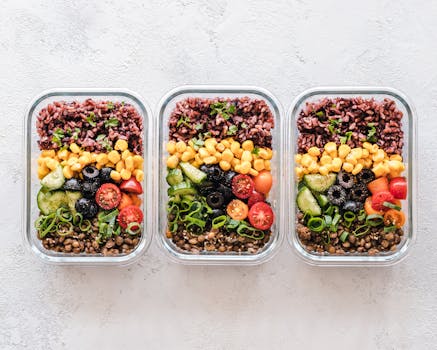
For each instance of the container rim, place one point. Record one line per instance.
(84, 260)
(356, 260)
(221, 259)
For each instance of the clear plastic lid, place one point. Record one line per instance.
(32, 183)
(165, 108)
(409, 159)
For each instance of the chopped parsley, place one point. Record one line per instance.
(183, 120)
(206, 134)
(243, 125)
(255, 151)
(232, 130)
(197, 143)
(347, 136)
(371, 132)
(220, 108)
(58, 135)
(320, 114)
(104, 142)
(333, 123)
(75, 134)
(90, 119)
(199, 126)
(111, 122)
(109, 105)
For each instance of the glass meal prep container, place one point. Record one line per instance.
(200, 255)
(409, 158)
(32, 180)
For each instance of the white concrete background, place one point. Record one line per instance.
(152, 46)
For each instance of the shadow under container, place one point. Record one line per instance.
(409, 159)
(32, 183)
(165, 108)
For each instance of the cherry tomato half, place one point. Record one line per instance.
(132, 186)
(394, 217)
(261, 216)
(108, 196)
(263, 181)
(379, 198)
(255, 197)
(242, 186)
(398, 187)
(237, 209)
(130, 214)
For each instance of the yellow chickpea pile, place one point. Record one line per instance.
(351, 160)
(228, 153)
(73, 160)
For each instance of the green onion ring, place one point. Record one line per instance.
(77, 219)
(336, 219)
(374, 220)
(316, 224)
(49, 227)
(361, 230)
(328, 220)
(349, 216)
(87, 226)
(219, 221)
(61, 226)
(362, 215)
(390, 228)
(344, 236)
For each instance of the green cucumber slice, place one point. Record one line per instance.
(54, 180)
(50, 201)
(181, 189)
(72, 198)
(194, 174)
(307, 203)
(318, 182)
(174, 177)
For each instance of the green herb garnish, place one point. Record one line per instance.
(220, 108)
(371, 132)
(198, 126)
(255, 150)
(347, 136)
(110, 105)
(183, 120)
(320, 114)
(232, 130)
(206, 134)
(104, 142)
(76, 133)
(111, 122)
(243, 125)
(333, 123)
(90, 119)
(58, 135)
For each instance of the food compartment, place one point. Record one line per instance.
(353, 180)
(219, 174)
(86, 184)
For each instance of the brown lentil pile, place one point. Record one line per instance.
(88, 243)
(374, 242)
(215, 240)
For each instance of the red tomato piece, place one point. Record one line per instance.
(398, 187)
(108, 196)
(255, 197)
(130, 214)
(379, 198)
(132, 186)
(242, 186)
(261, 216)
(263, 181)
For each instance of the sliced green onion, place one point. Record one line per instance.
(77, 219)
(328, 220)
(232, 224)
(344, 236)
(374, 220)
(85, 225)
(64, 214)
(330, 210)
(133, 231)
(316, 224)
(336, 219)
(47, 227)
(219, 221)
(349, 216)
(391, 206)
(361, 230)
(362, 215)
(173, 226)
(390, 228)
(39, 221)
(106, 217)
(64, 229)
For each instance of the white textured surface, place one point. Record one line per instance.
(152, 46)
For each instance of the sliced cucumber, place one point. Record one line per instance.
(72, 198)
(174, 177)
(181, 189)
(194, 174)
(49, 201)
(54, 180)
(322, 199)
(307, 203)
(318, 182)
